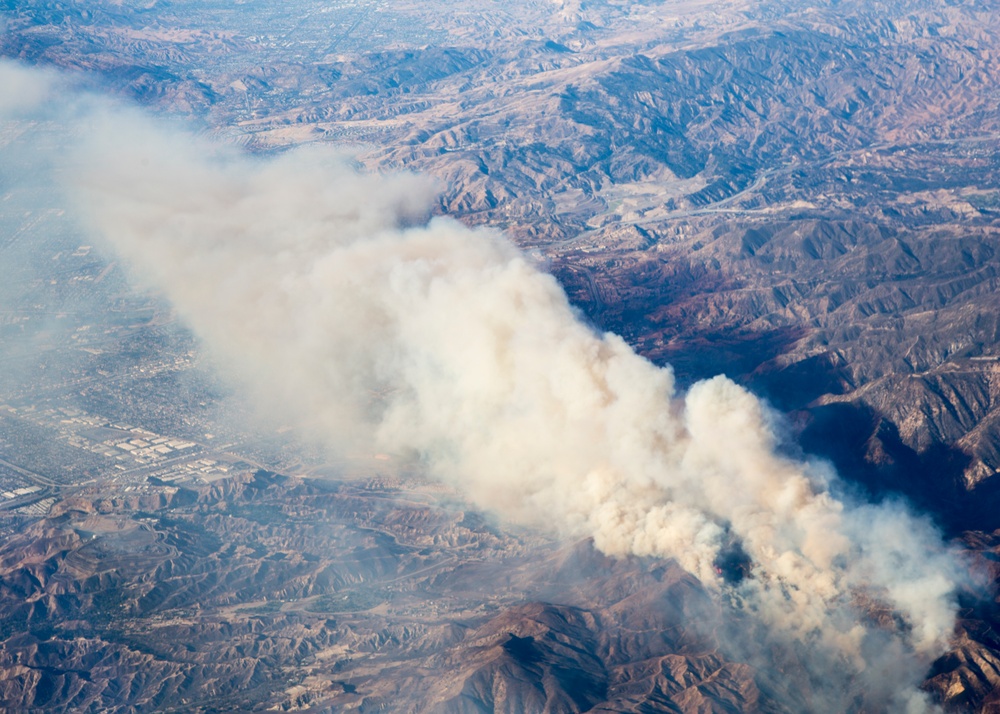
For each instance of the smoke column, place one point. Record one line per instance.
(332, 298)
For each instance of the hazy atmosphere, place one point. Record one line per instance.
(633, 357)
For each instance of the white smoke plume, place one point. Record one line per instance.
(23, 91)
(330, 295)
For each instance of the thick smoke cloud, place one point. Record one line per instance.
(330, 295)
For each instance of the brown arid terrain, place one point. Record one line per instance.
(265, 592)
(804, 196)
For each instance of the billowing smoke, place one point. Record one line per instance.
(330, 295)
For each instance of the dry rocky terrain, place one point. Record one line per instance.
(267, 592)
(802, 195)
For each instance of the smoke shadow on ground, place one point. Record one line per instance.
(869, 453)
(668, 331)
(794, 386)
(737, 354)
